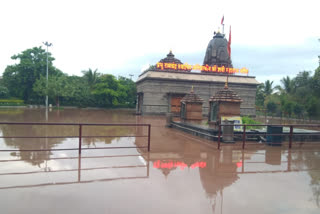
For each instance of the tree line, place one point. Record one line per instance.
(26, 80)
(297, 97)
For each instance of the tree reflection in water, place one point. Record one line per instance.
(56, 116)
(33, 157)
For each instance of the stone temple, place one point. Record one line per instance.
(160, 89)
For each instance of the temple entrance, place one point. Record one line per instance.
(175, 104)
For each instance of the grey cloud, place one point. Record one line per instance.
(275, 61)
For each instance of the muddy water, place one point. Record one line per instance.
(182, 173)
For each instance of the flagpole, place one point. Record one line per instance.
(222, 23)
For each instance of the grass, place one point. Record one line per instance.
(248, 120)
(11, 102)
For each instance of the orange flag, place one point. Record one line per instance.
(229, 43)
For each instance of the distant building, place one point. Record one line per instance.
(160, 89)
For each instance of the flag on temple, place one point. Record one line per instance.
(229, 42)
(222, 20)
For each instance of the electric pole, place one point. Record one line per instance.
(48, 45)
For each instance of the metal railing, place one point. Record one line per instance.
(79, 170)
(290, 134)
(284, 160)
(80, 136)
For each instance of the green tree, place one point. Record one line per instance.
(91, 77)
(112, 92)
(263, 91)
(4, 92)
(298, 109)
(19, 78)
(260, 96)
(79, 93)
(271, 107)
(316, 82)
(106, 91)
(288, 107)
(313, 107)
(130, 91)
(268, 88)
(57, 87)
(288, 85)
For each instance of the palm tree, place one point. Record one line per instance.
(288, 85)
(303, 79)
(267, 87)
(91, 77)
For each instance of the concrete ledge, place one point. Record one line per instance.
(255, 135)
(205, 133)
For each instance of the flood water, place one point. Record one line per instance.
(181, 174)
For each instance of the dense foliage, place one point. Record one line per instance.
(26, 80)
(11, 102)
(248, 120)
(296, 97)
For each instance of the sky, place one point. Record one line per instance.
(271, 38)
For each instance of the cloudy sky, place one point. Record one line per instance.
(272, 38)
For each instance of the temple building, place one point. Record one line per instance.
(161, 88)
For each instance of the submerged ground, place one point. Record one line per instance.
(181, 174)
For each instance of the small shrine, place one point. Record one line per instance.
(191, 106)
(225, 103)
(170, 63)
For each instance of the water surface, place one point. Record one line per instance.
(181, 174)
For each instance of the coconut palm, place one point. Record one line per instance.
(268, 88)
(91, 76)
(287, 85)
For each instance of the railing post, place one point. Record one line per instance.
(148, 164)
(80, 134)
(289, 160)
(219, 136)
(290, 137)
(244, 136)
(242, 167)
(149, 133)
(79, 168)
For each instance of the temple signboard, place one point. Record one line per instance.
(202, 68)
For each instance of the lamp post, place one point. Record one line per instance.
(48, 45)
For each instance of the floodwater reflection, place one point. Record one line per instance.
(88, 169)
(181, 174)
(175, 164)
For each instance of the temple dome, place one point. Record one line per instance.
(226, 95)
(170, 63)
(171, 59)
(191, 98)
(217, 52)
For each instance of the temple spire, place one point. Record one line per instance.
(226, 84)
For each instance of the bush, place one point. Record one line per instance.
(250, 121)
(11, 102)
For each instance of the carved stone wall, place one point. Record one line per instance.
(157, 94)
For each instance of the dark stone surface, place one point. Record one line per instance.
(217, 52)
